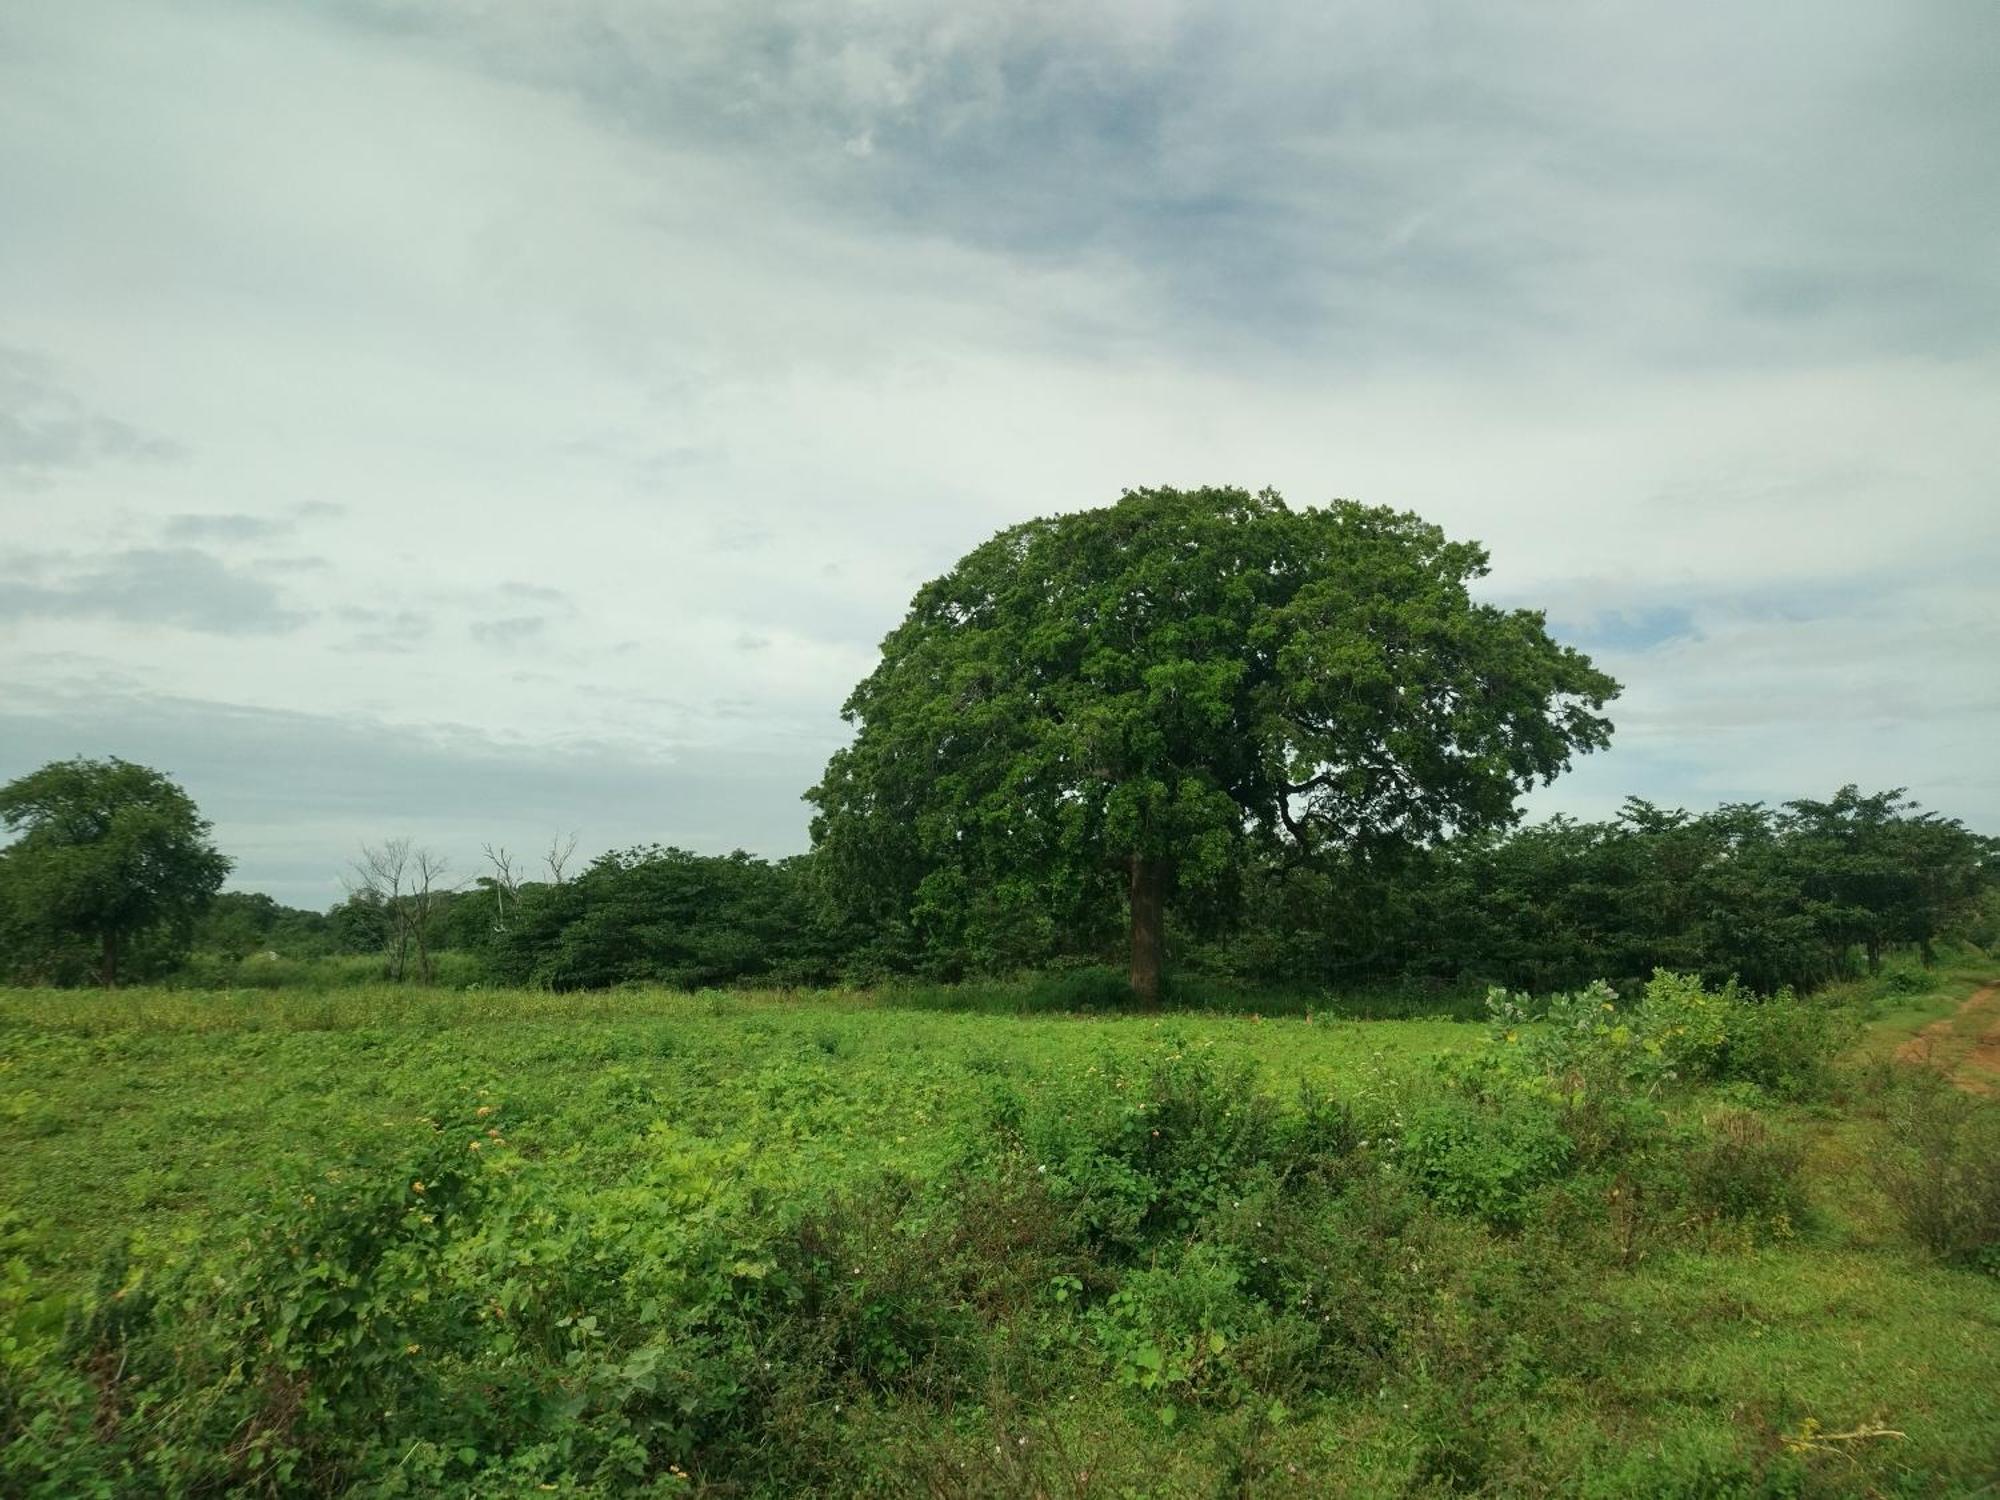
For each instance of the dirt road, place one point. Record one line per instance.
(1965, 1046)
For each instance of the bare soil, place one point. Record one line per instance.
(1964, 1046)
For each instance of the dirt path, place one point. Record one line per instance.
(1964, 1046)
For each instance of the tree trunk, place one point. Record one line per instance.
(109, 973)
(1149, 936)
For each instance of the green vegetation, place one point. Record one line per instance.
(855, 1173)
(1804, 896)
(109, 867)
(1152, 696)
(393, 1240)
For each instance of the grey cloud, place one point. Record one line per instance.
(1377, 183)
(45, 428)
(389, 632)
(159, 586)
(293, 795)
(736, 535)
(513, 630)
(379, 643)
(539, 593)
(404, 621)
(225, 528)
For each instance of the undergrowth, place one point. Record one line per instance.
(1121, 1269)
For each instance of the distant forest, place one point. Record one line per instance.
(1796, 895)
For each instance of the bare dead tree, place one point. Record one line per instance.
(409, 885)
(429, 892)
(505, 882)
(379, 876)
(561, 850)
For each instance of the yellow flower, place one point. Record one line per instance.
(416, 1187)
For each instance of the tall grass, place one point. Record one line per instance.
(270, 971)
(354, 993)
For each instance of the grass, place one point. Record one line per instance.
(883, 1242)
(180, 1105)
(1905, 999)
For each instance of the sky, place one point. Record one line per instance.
(482, 421)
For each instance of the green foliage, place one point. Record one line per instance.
(241, 924)
(1677, 1031)
(1875, 870)
(109, 868)
(1740, 1168)
(666, 916)
(1772, 898)
(393, 1241)
(1785, 1044)
(1486, 1162)
(1165, 1334)
(1943, 1172)
(1138, 1156)
(277, 974)
(1156, 690)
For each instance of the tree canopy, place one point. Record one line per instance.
(107, 854)
(1151, 691)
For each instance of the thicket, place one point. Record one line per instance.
(443, 1311)
(1798, 895)
(1773, 898)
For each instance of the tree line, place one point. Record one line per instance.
(1285, 746)
(1795, 895)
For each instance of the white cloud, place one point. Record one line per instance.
(613, 394)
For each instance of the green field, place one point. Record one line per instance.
(394, 1241)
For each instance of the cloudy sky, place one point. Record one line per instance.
(473, 420)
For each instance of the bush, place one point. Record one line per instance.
(1092, 988)
(1741, 1171)
(1486, 1162)
(1135, 1155)
(1944, 1174)
(1168, 1330)
(1678, 1031)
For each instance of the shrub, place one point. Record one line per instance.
(1168, 1330)
(1138, 1155)
(1944, 1174)
(862, 1301)
(1785, 1044)
(1678, 1031)
(1486, 1162)
(1741, 1170)
(1091, 988)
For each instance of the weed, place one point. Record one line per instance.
(1943, 1172)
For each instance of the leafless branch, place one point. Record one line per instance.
(561, 850)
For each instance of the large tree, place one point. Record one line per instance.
(106, 853)
(1159, 686)
(1878, 870)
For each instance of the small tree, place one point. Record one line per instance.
(1151, 691)
(504, 882)
(106, 853)
(408, 885)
